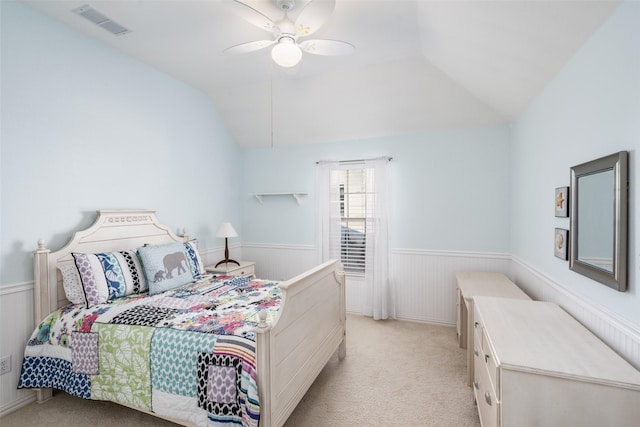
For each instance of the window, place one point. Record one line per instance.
(355, 201)
(353, 205)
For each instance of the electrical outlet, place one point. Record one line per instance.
(5, 364)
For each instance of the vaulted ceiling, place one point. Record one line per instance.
(419, 65)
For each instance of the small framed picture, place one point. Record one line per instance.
(560, 244)
(562, 202)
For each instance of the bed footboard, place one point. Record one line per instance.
(310, 327)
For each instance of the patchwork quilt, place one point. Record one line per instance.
(188, 353)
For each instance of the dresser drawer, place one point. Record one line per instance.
(245, 269)
(477, 330)
(490, 361)
(485, 393)
(248, 271)
(459, 326)
(488, 356)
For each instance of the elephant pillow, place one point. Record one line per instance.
(166, 266)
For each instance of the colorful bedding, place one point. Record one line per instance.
(187, 354)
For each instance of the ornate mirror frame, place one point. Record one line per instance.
(610, 269)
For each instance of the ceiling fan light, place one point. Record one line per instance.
(286, 53)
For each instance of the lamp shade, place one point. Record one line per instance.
(226, 230)
(286, 53)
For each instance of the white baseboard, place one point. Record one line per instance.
(14, 405)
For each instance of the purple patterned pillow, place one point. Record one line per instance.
(109, 275)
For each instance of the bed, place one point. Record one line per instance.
(252, 363)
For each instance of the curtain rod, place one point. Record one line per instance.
(356, 160)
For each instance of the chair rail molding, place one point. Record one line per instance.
(16, 287)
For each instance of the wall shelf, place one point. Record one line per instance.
(261, 196)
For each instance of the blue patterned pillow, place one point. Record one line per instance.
(109, 275)
(193, 256)
(166, 266)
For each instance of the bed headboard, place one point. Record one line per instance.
(113, 230)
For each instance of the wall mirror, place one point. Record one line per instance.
(598, 232)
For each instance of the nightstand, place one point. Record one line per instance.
(245, 269)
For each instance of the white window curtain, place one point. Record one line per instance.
(328, 210)
(379, 298)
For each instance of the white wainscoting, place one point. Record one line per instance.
(16, 318)
(212, 256)
(279, 262)
(616, 332)
(425, 283)
(425, 289)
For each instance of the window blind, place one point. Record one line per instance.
(356, 206)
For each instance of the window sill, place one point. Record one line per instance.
(353, 274)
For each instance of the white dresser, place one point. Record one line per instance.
(471, 284)
(535, 365)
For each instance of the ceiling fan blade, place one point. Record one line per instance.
(252, 15)
(248, 47)
(327, 47)
(314, 14)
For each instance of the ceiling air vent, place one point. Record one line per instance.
(99, 19)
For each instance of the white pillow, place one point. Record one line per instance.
(72, 284)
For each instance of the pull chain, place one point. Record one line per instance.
(271, 97)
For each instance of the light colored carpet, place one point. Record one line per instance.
(395, 374)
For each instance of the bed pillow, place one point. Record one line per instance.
(72, 284)
(166, 266)
(193, 256)
(109, 275)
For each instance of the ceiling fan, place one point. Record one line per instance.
(287, 51)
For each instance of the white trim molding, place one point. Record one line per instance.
(15, 288)
(430, 252)
(280, 246)
(28, 397)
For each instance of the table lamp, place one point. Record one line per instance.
(226, 230)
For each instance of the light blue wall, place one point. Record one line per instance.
(591, 109)
(450, 189)
(85, 127)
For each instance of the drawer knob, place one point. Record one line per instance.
(475, 324)
(486, 358)
(476, 351)
(487, 398)
(476, 384)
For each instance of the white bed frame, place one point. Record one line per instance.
(291, 352)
